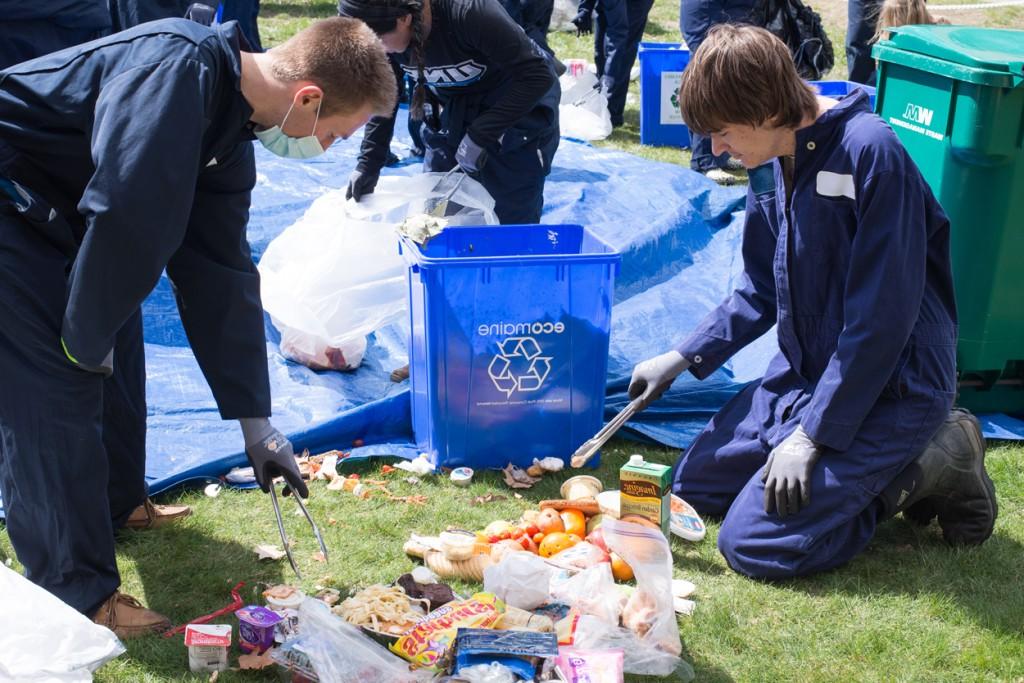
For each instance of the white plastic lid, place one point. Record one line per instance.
(636, 459)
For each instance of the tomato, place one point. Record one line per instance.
(556, 542)
(575, 522)
(549, 521)
(528, 544)
(531, 530)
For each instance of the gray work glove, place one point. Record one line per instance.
(270, 454)
(787, 474)
(584, 22)
(653, 376)
(361, 183)
(470, 156)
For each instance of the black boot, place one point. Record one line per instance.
(948, 480)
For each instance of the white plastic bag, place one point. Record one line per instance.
(336, 276)
(583, 110)
(520, 579)
(43, 639)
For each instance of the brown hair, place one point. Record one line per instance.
(743, 75)
(346, 60)
(895, 13)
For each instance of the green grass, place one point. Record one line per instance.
(908, 609)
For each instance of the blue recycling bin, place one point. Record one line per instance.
(661, 69)
(509, 341)
(842, 88)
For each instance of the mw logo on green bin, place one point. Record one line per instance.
(917, 119)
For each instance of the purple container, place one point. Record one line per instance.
(256, 628)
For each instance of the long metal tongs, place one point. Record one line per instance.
(591, 446)
(284, 535)
(438, 207)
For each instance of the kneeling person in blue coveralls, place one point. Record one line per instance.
(846, 250)
(121, 158)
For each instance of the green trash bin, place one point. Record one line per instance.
(955, 97)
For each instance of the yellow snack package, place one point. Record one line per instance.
(426, 643)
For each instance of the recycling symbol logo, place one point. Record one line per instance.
(519, 366)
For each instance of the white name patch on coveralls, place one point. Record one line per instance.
(835, 185)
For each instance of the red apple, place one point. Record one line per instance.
(596, 537)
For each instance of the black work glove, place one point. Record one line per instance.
(787, 474)
(584, 22)
(470, 156)
(361, 183)
(653, 376)
(270, 454)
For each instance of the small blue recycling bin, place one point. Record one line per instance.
(841, 88)
(661, 68)
(509, 345)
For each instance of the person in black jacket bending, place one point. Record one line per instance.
(486, 94)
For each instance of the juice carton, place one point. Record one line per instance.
(646, 490)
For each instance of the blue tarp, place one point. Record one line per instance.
(679, 235)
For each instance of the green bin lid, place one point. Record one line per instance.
(1000, 52)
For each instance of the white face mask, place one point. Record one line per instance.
(286, 146)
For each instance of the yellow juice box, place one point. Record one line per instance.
(645, 489)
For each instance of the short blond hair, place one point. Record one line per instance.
(743, 75)
(346, 60)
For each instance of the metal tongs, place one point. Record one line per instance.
(438, 207)
(284, 534)
(585, 452)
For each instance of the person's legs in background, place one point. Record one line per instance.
(862, 19)
(636, 16)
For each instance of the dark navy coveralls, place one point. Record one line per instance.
(118, 158)
(620, 28)
(30, 28)
(856, 274)
(490, 80)
(696, 18)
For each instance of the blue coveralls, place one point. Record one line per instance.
(128, 13)
(620, 27)
(30, 28)
(696, 18)
(118, 158)
(856, 274)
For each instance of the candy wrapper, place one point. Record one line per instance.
(426, 643)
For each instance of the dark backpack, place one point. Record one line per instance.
(799, 27)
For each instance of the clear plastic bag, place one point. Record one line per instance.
(591, 591)
(650, 638)
(520, 579)
(583, 109)
(339, 652)
(335, 275)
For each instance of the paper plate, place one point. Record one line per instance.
(684, 521)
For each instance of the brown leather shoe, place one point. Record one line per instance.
(149, 515)
(127, 618)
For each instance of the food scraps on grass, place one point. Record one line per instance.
(517, 478)
(385, 609)
(265, 551)
(256, 662)
(487, 498)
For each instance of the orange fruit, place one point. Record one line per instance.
(620, 570)
(575, 522)
(548, 521)
(556, 542)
